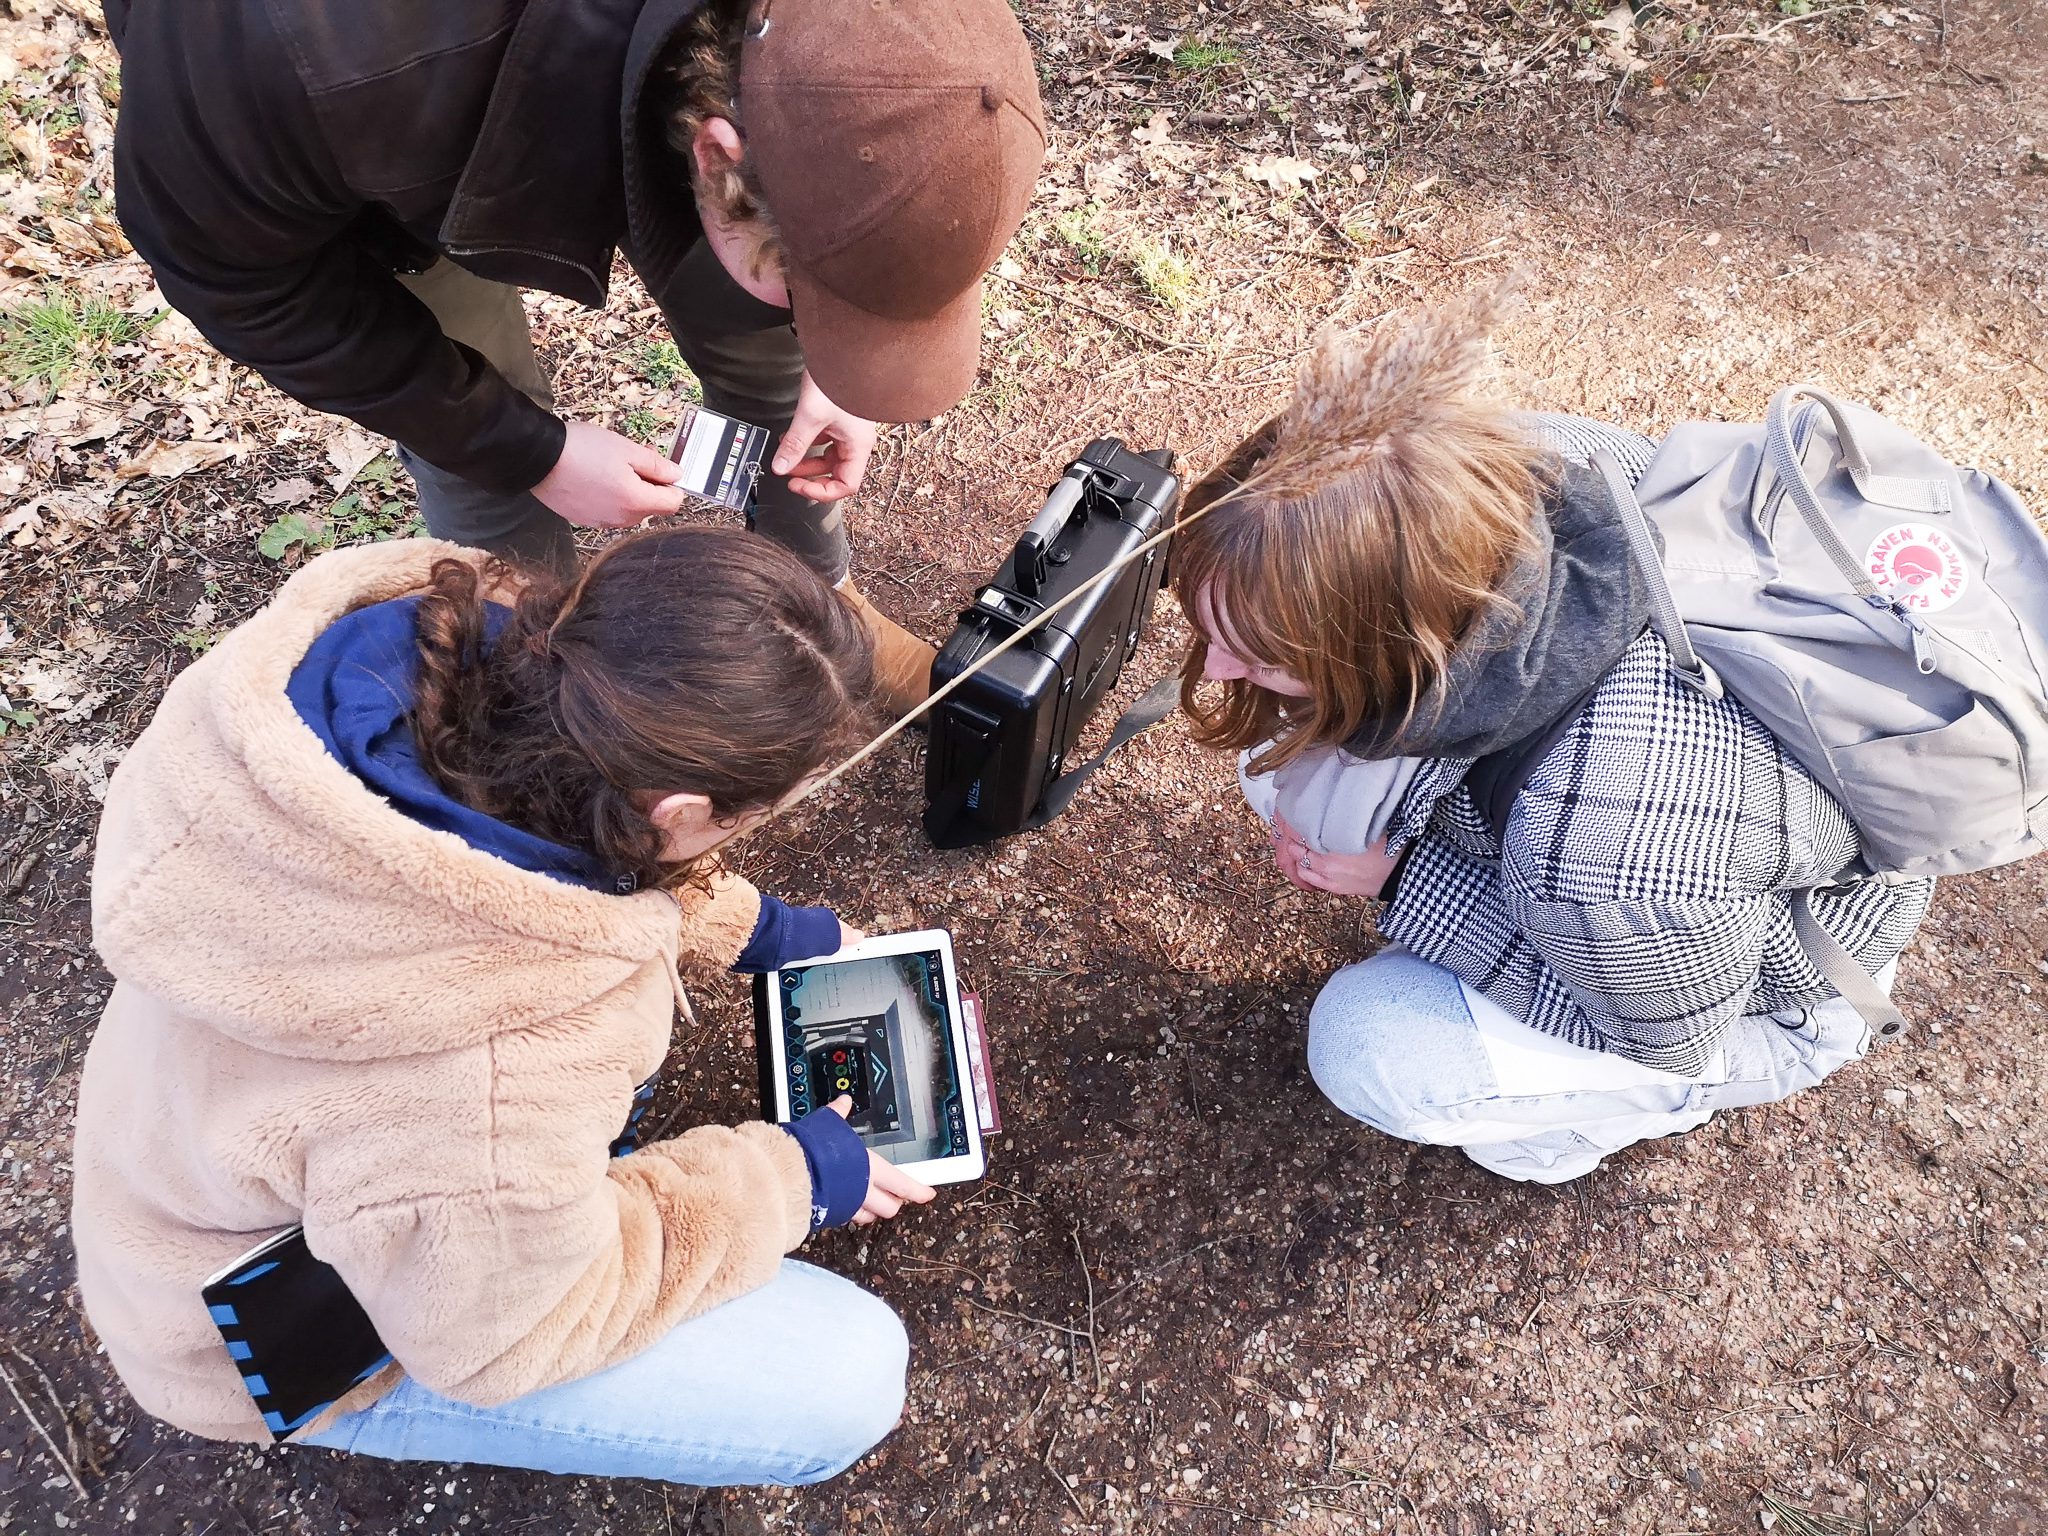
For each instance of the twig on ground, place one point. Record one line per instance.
(1776, 27)
(1221, 1509)
(1068, 1329)
(67, 1462)
(1911, 1519)
(1132, 326)
(1054, 1472)
(1158, 1269)
(1094, 1346)
(1025, 1424)
(1542, 51)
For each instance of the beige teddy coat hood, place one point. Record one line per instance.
(325, 1012)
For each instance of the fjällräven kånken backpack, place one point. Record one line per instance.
(1882, 612)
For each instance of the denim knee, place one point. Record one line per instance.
(864, 1388)
(1390, 1040)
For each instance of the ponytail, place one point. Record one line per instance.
(697, 660)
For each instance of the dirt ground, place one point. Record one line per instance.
(1190, 1296)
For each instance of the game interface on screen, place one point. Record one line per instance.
(876, 1030)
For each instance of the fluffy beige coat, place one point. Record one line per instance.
(326, 1013)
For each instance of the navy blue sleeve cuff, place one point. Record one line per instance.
(838, 1160)
(783, 933)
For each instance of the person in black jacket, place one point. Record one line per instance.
(348, 195)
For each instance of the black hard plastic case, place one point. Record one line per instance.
(1000, 742)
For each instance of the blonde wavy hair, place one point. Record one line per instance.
(1359, 535)
(699, 75)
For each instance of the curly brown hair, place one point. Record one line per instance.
(698, 78)
(685, 659)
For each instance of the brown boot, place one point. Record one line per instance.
(903, 663)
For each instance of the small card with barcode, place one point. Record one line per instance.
(720, 457)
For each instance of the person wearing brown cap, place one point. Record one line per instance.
(349, 195)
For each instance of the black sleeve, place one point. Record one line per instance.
(224, 185)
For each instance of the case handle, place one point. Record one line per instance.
(1028, 560)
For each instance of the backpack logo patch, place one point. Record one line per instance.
(1919, 565)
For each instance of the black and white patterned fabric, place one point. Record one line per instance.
(1640, 903)
(1578, 438)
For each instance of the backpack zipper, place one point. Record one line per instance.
(1918, 637)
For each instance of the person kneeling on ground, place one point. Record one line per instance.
(1403, 590)
(399, 889)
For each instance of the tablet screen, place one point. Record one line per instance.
(878, 1031)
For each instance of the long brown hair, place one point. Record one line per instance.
(1357, 536)
(685, 659)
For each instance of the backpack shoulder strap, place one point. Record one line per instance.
(1687, 665)
(1842, 970)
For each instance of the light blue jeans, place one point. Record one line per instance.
(1411, 1050)
(789, 1384)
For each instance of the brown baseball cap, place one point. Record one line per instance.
(897, 143)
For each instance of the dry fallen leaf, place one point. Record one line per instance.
(72, 236)
(22, 526)
(1283, 173)
(65, 422)
(27, 256)
(167, 461)
(1104, 178)
(206, 428)
(348, 451)
(1154, 131)
(1620, 48)
(288, 493)
(31, 148)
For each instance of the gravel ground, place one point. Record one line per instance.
(1190, 1296)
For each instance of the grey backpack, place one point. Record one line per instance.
(1882, 612)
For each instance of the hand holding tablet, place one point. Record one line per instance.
(879, 1028)
(888, 1186)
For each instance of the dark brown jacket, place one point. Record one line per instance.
(277, 160)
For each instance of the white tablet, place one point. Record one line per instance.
(880, 1022)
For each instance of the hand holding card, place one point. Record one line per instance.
(720, 457)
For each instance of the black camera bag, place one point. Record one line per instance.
(999, 745)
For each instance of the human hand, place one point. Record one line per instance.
(888, 1185)
(1342, 874)
(603, 480)
(849, 936)
(825, 451)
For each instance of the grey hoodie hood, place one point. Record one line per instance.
(1580, 603)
